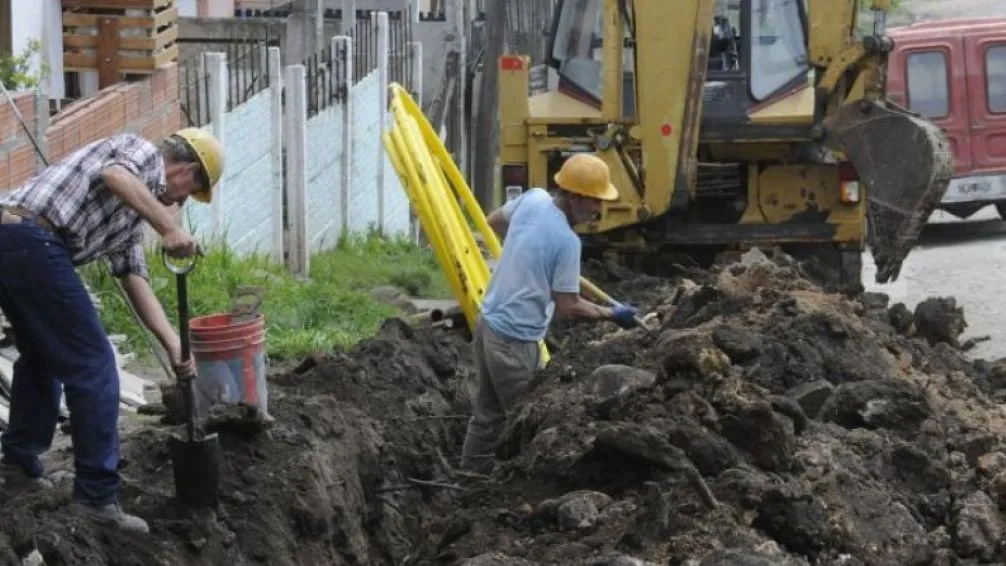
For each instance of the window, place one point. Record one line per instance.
(778, 46)
(928, 84)
(995, 69)
(578, 44)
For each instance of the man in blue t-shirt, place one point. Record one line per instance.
(538, 276)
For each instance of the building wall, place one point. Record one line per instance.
(216, 8)
(187, 8)
(148, 107)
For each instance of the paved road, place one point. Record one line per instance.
(965, 259)
(917, 10)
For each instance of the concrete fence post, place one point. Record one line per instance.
(276, 152)
(41, 103)
(216, 67)
(383, 50)
(417, 94)
(346, 151)
(416, 53)
(295, 82)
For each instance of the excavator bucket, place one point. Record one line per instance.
(906, 164)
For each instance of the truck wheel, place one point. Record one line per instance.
(831, 268)
(850, 268)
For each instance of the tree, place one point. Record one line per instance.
(16, 70)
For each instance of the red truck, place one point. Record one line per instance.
(954, 73)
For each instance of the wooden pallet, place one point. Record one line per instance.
(119, 37)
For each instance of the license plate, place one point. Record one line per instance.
(970, 189)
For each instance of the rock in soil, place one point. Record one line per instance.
(765, 422)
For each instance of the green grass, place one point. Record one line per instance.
(331, 309)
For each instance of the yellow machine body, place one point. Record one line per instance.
(729, 123)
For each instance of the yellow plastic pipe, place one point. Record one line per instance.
(434, 185)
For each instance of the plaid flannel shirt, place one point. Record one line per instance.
(94, 222)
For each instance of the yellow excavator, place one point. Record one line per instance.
(729, 124)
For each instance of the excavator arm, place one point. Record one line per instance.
(904, 161)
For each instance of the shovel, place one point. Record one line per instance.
(195, 460)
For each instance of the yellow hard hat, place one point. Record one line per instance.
(587, 175)
(210, 154)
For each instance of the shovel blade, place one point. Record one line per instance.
(196, 467)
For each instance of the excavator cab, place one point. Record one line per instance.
(729, 123)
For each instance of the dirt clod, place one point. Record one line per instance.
(765, 423)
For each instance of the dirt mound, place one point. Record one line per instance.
(339, 479)
(825, 434)
(761, 422)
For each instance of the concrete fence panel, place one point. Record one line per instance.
(245, 213)
(324, 171)
(368, 154)
(304, 166)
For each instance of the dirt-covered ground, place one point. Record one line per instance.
(760, 422)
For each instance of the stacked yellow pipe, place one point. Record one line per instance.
(434, 186)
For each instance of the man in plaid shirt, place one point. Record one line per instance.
(90, 205)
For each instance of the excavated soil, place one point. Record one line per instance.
(760, 422)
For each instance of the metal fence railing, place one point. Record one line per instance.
(247, 71)
(193, 92)
(326, 79)
(399, 48)
(248, 68)
(247, 75)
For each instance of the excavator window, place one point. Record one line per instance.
(769, 52)
(778, 46)
(577, 44)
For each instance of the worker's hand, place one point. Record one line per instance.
(183, 369)
(178, 243)
(624, 316)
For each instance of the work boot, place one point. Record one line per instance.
(113, 515)
(14, 477)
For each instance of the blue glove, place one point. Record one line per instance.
(624, 316)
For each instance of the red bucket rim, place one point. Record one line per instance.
(206, 322)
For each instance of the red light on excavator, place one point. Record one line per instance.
(666, 130)
(846, 172)
(511, 63)
(848, 181)
(514, 177)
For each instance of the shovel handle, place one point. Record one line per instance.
(183, 314)
(183, 331)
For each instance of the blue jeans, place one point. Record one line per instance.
(62, 345)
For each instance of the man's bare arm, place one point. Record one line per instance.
(498, 222)
(151, 312)
(571, 306)
(134, 193)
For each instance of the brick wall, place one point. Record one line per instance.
(148, 107)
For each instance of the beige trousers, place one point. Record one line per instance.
(505, 370)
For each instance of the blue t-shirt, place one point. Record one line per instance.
(541, 254)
